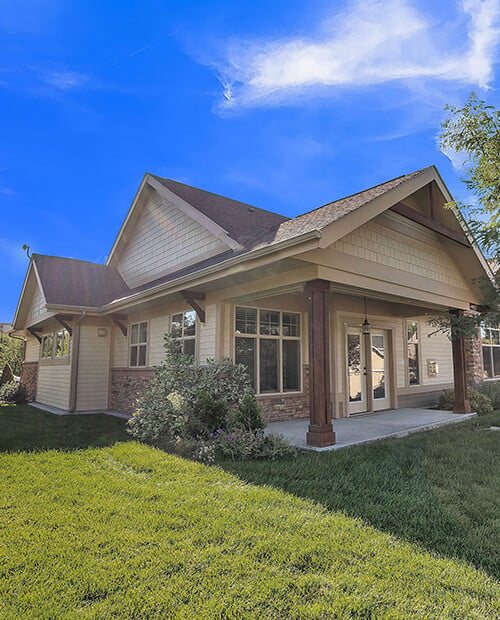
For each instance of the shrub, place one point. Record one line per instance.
(492, 390)
(480, 403)
(244, 445)
(7, 375)
(249, 415)
(12, 392)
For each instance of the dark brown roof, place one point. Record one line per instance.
(241, 221)
(72, 282)
(334, 211)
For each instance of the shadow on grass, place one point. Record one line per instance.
(439, 489)
(25, 428)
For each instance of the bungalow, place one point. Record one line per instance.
(328, 310)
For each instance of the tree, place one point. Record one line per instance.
(11, 353)
(472, 133)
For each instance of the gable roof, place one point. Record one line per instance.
(243, 222)
(71, 282)
(333, 211)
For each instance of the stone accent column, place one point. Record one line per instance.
(474, 360)
(29, 375)
(320, 432)
(462, 404)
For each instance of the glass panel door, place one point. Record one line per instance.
(356, 372)
(379, 370)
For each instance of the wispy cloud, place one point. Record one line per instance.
(62, 80)
(370, 43)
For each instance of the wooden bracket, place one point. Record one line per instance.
(191, 298)
(33, 330)
(62, 320)
(118, 320)
(427, 222)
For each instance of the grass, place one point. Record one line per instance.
(440, 489)
(127, 531)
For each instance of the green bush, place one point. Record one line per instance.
(12, 392)
(492, 390)
(7, 375)
(244, 445)
(479, 402)
(185, 400)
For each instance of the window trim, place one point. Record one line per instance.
(489, 346)
(183, 338)
(44, 338)
(130, 345)
(419, 353)
(257, 336)
(65, 334)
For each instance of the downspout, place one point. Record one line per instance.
(75, 354)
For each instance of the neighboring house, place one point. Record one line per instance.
(5, 328)
(286, 297)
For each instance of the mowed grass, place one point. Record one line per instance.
(440, 488)
(128, 531)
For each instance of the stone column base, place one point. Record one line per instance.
(320, 436)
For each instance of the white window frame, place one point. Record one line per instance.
(418, 342)
(182, 338)
(42, 346)
(490, 346)
(138, 344)
(281, 338)
(65, 336)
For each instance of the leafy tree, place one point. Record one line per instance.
(11, 353)
(472, 132)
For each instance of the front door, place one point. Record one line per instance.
(367, 370)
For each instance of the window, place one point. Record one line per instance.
(62, 343)
(267, 342)
(412, 338)
(47, 346)
(138, 343)
(490, 338)
(183, 328)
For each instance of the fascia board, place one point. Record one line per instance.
(31, 270)
(194, 214)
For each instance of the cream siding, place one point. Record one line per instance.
(165, 239)
(93, 368)
(120, 349)
(32, 350)
(53, 385)
(158, 327)
(379, 244)
(208, 334)
(436, 347)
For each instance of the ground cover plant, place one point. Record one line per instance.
(129, 531)
(440, 489)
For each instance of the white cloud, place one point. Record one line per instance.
(371, 43)
(63, 80)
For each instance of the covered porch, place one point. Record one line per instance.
(369, 428)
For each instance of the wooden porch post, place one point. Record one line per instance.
(320, 432)
(462, 404)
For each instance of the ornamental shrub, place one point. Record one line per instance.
(492, 390)
(244, 445)
(12, 392)
(480, 403)
(7, 375)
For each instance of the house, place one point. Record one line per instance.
(328, 310)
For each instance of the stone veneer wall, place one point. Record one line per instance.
(277, 407)
(127, 384)
(29, 375)
(473, 360)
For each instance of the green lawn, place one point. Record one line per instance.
(127, 531)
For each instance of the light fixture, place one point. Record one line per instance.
(366, 325)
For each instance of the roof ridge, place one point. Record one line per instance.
(79, 260)
(244, 204)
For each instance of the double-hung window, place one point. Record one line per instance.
(267, 342)
(183, 328)
(413, 346)
(138, 343)
(47, 346)
(490, 338)
(62, 343)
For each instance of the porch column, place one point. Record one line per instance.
(320, 432)
(462, 404)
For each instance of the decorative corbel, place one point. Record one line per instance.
(62, 320)
(118, 319)
(191, 297)
(33, 330)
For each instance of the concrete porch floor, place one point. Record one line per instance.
(369, 427)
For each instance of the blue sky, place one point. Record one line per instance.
(284, 105)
